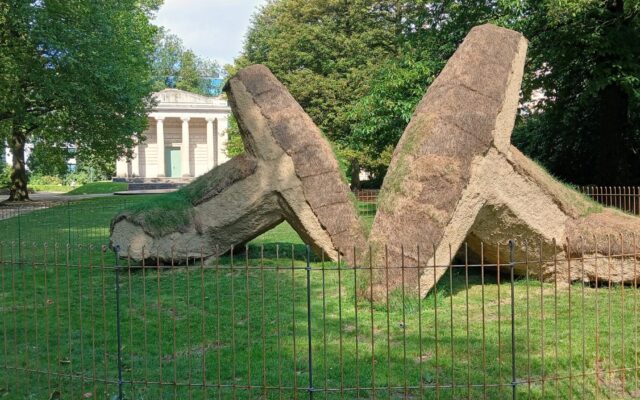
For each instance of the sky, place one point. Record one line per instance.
(213, 29)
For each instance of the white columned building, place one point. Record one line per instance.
(187, 137)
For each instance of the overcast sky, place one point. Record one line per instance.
(211, 28)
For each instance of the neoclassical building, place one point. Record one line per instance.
(187, 137)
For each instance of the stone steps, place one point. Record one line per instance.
(155, 185)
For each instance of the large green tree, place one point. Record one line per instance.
(585, 63)
(174, 66)
(427, 33)
(326, 52)
(359, 68)
(74, 72)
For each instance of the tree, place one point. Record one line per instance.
(48, 160)
(177, 67)
(326, 53)
(74, 72)
(585, 59)
(166, 59)
(360, 67)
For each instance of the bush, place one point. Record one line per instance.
(37, 179)
(77, 178)
(5, 176)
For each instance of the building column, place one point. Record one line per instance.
(222, 139)
(184, 150)
(121, 168)
(160, 145)
(135, 161)
(211, 155)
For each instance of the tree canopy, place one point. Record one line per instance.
(360, 67)
(177, 67)
(74, 72)
(584, 59)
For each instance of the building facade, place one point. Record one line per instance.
(187, 137)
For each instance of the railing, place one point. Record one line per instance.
(278, 322)
(626, 198)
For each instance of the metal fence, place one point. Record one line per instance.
(626, 198)
(70, 222)
(87, 221)
(278, 322)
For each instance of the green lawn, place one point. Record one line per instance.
(241, 323)
(99, 187)
(88, 188)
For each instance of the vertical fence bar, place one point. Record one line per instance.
(355, 308)
(635, 310)
(119, 337)
(69, 223)
(310, 347)
(293, 322)
(513, 321)
(386, 273)
(248, 324)
(19, 235)
(597, 324)
(484, 333)
(373, 352)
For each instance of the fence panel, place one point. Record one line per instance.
(279, 322)
(626, 198)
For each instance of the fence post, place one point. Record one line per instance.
(512, 265)
(19, 235)
(310, 346)
(117, 268)
(69, 222)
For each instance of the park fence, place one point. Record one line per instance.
(278, 322)
(626, 198)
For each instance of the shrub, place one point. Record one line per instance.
(5, 176)
(37, 179)
(77, 178)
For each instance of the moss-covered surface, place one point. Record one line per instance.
(394, 181)
(174, 212)
(570, 199)
(218, 179)
(162, 215)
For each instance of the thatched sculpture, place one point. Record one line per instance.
(455, 178)
(288, 172)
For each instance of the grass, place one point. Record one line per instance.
(99, 187)
(89, 188)
(246, 322)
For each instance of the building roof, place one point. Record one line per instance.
(176, 99)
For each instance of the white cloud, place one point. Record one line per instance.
(211, 28)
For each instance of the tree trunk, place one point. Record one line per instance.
(18, 191)
(355, 174)
(613, 130)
